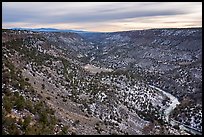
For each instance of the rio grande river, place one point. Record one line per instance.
(174, 101)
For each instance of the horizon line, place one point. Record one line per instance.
(192, 27)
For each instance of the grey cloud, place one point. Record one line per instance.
(102, 17)
(84, 14)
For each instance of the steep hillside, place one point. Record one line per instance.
(168, 58)
(113, 83)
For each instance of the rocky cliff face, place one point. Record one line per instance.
(51, 67)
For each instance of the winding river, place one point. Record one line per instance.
(174, 102)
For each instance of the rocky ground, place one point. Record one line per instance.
(103, 86)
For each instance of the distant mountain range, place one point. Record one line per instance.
(51, 30)
(85, 32)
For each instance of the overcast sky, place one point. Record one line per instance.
(101, 16)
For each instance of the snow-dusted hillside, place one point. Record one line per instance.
(133, 82)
